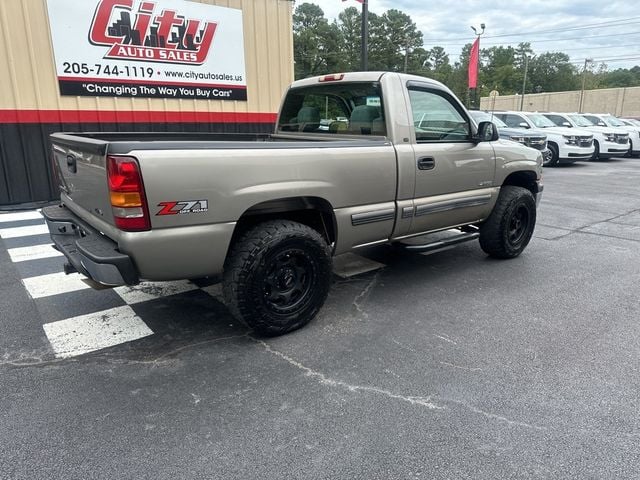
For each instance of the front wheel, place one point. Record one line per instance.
(507, 231)
(277, 276)
(553, 158)
(596, 151)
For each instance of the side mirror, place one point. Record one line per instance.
(602, 124)
(487, 132)
(566, 124)
(523, 125)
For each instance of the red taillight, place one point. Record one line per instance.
(332, 78)
(126, 190)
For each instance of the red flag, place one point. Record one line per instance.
(473, 64)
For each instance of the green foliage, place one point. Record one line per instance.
(396, 44)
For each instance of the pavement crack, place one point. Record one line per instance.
(584, 227)
(498, 418)
(364, 295)
(159, 359)
(330, 382)
(446, 339)
(460, 367)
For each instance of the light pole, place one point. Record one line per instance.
(365, 35)
(524, 80)
(475, 90)
(584, 79)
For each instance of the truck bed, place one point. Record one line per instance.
(122, 143)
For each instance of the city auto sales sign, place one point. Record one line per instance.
(148, 48)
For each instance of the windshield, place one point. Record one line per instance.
(487, 117)
(540, 121)
(633, 121)
(580, 121)
(613, 121)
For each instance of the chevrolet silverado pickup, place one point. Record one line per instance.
(397, 157)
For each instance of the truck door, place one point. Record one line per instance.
(454, 174)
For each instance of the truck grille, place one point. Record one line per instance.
(622, 138)
(539, 143)
(584, 140)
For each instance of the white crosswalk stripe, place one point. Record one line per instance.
(54, 284)
(35, 252)
(23, 231)
(20, 216)
(87, 333)
(151, 290)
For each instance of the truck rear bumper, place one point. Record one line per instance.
(87, 250)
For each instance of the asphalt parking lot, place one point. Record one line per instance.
(450, 365)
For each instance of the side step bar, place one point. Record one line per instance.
(439, 244)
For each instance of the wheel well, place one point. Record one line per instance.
(314, 212)
(525, 179)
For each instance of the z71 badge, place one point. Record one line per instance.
(181, 208)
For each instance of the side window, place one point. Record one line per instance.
(513, 121)
(557, 119)
(436, 118)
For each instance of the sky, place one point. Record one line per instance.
(600, 30)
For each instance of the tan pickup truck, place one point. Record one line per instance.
(357, 159)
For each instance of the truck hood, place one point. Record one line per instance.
(598, 129)
(519, 132)
(564, 131)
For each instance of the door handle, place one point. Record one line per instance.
(426, 163)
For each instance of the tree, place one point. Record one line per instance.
(316, 43)
(350, 26)
(394, 38)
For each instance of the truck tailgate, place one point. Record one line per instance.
(80, 163)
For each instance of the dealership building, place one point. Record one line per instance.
(133, 66)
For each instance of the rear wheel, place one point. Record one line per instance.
(507, 231)
(554, 157)
(277, 276)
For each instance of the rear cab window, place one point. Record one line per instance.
(354, 108)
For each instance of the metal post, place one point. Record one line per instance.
(524, 81)
(584, 80)
(476, 103)
(365, 35)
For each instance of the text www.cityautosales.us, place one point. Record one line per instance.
(203, 76)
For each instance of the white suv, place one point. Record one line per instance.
(567, 145)
(611, 121)
(607, 141)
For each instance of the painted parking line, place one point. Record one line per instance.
(24, 231)
(146, 291)
(35, 252)
(19, 216)
(88, 333)
(54, 284)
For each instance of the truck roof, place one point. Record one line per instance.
(362, 77)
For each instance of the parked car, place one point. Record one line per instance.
(567, 145)
(533, 140)
(267, 212)
(607, 141)
(632, 122)
(607, 120)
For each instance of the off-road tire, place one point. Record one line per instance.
(555, 156)
(277, 276)
(507, 231)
